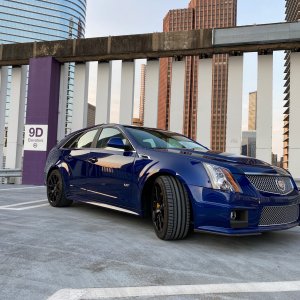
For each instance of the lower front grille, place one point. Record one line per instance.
(279, 215)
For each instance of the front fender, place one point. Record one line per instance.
(187, 170)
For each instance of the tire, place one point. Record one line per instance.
(55, 190)
(170, 209)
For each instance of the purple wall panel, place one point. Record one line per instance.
(42, 109)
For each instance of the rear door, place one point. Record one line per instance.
(77, 158)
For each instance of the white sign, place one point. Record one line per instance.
(36, 137)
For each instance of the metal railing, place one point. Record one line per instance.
(8, 173)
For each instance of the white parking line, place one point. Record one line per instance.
(23, 208)
(25, 188)
(15, 206)
(160, 291)
(22, 203)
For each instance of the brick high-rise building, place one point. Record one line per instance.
(175, 20)
(292, 14)
(201, 14)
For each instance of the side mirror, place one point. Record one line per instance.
(117, 143)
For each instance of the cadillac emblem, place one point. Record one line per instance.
(280, 184)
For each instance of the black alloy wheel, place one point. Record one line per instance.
(55, 190)
(158, 214)
(170, 209)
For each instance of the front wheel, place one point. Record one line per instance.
(55, 190)
(170, 209)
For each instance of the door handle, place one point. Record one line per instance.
(93, 160)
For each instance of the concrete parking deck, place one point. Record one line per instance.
(44, 250)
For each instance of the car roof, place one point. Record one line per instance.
(131, 126)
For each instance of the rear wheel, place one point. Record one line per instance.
(55, 190)
(170, 209)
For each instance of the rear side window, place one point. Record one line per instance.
(71, 141)
(85, 140)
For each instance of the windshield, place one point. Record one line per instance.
(159, 139)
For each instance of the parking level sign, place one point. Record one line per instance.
(36, 137)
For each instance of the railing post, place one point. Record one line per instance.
(103, 100)
(234, 105)
(177, 96)
(204, 101)
(151, 93)
(80, 104)
(3, 96)
(16, 118)
(127, 92)
(264, 108)
(294, 136)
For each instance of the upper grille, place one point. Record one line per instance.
(281, 185)
(279, 215)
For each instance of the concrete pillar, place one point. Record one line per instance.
(3, 95)
(127, 92)
(151, 93)
(234, 105)
(16, 118)
(294, 137)
(103, 99)
(63, 97)
(204, 101)
(80, 102)
(42, 112)
(264, 108)
(177, 96)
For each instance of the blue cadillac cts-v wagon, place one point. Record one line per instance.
(181, 184)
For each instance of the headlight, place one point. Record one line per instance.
(221, 179)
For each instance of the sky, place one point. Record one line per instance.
(115, 17)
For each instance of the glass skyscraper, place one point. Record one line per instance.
(41, 20)
(24, 21)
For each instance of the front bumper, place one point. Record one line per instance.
(213, 211)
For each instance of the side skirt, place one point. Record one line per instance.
(111, 207)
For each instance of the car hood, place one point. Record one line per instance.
(236, 163)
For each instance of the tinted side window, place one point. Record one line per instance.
(71, 141)
(86, 140)
(107, 134)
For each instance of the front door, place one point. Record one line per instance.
(110, 178)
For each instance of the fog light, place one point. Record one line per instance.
(239, 218)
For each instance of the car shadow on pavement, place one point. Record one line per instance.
(277, 239)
